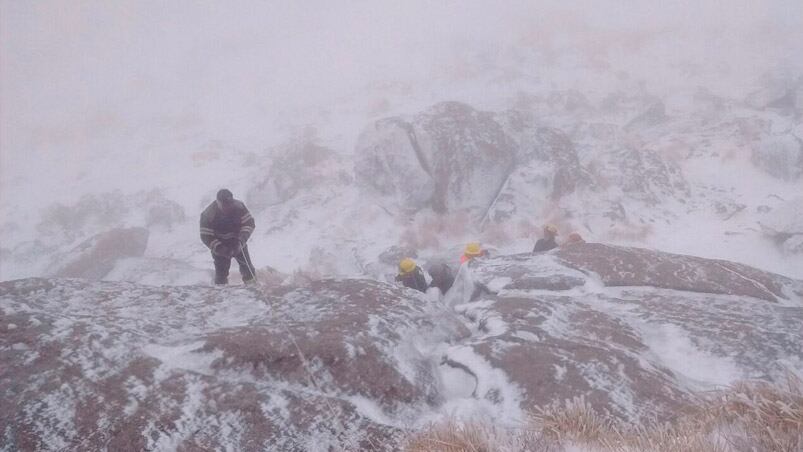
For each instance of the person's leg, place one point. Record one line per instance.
(247, 270)
(222, 265)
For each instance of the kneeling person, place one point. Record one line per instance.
(410, 275)
(226, 226)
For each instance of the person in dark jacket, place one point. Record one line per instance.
(226, 226)
(548, 241)
(442, 277)
(410, 275)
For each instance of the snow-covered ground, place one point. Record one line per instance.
(358, 364)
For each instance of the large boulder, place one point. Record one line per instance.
(355, 364)
(634, 332)
(95, 257)
(119, 366)
(449, 157)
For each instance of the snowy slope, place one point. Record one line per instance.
(357, 363)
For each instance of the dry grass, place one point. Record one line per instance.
(749, 416)
(454, 436)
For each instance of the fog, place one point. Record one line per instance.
(99, 96)
(74, 72)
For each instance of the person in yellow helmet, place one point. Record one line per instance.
(472, 251)
(410, 275)
(547, 242)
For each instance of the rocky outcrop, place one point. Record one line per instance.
(635, 332)
(619, 266)
(96, 257)
(354, 363)
(780, 156)
(449, 157)
(124, 366)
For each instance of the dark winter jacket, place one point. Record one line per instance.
(218, 227)
(544, 245)
(442, 277)
(414, 280)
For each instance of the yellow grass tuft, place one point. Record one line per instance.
(748, 416)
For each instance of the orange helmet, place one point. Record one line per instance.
(575, 237)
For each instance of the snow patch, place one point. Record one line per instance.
(674, 349)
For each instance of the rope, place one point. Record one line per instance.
(335, 414)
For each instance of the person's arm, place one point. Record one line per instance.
(207, 233)
(247, 225)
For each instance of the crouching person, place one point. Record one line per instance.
(442, 277)
(410, 275)
(226, 226)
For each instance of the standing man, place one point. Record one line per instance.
(225, 227)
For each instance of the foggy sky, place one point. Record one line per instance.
(76, 71)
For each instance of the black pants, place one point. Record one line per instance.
(223, 263)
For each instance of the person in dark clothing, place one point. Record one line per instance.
(410, 275)
(442, 277)
(226, 225)
(548, 241)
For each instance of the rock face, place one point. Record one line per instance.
(354, 363)
(508, 165)
(560, 328)
(547, 169)
(122, 366)
(618, 266)
(97, 256)
(448, 157)
(780, 156)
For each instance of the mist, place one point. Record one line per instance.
(99, 97)
(521, 225)
(79, 73)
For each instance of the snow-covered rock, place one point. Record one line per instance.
(449, 157)
(125, 366)
(96, 257)
(634, 331)
(780, 156)
(355, 363)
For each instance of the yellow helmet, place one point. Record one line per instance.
(473, 249)
(406, 265)
(551, 229)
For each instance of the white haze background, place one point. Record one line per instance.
(99, 96)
